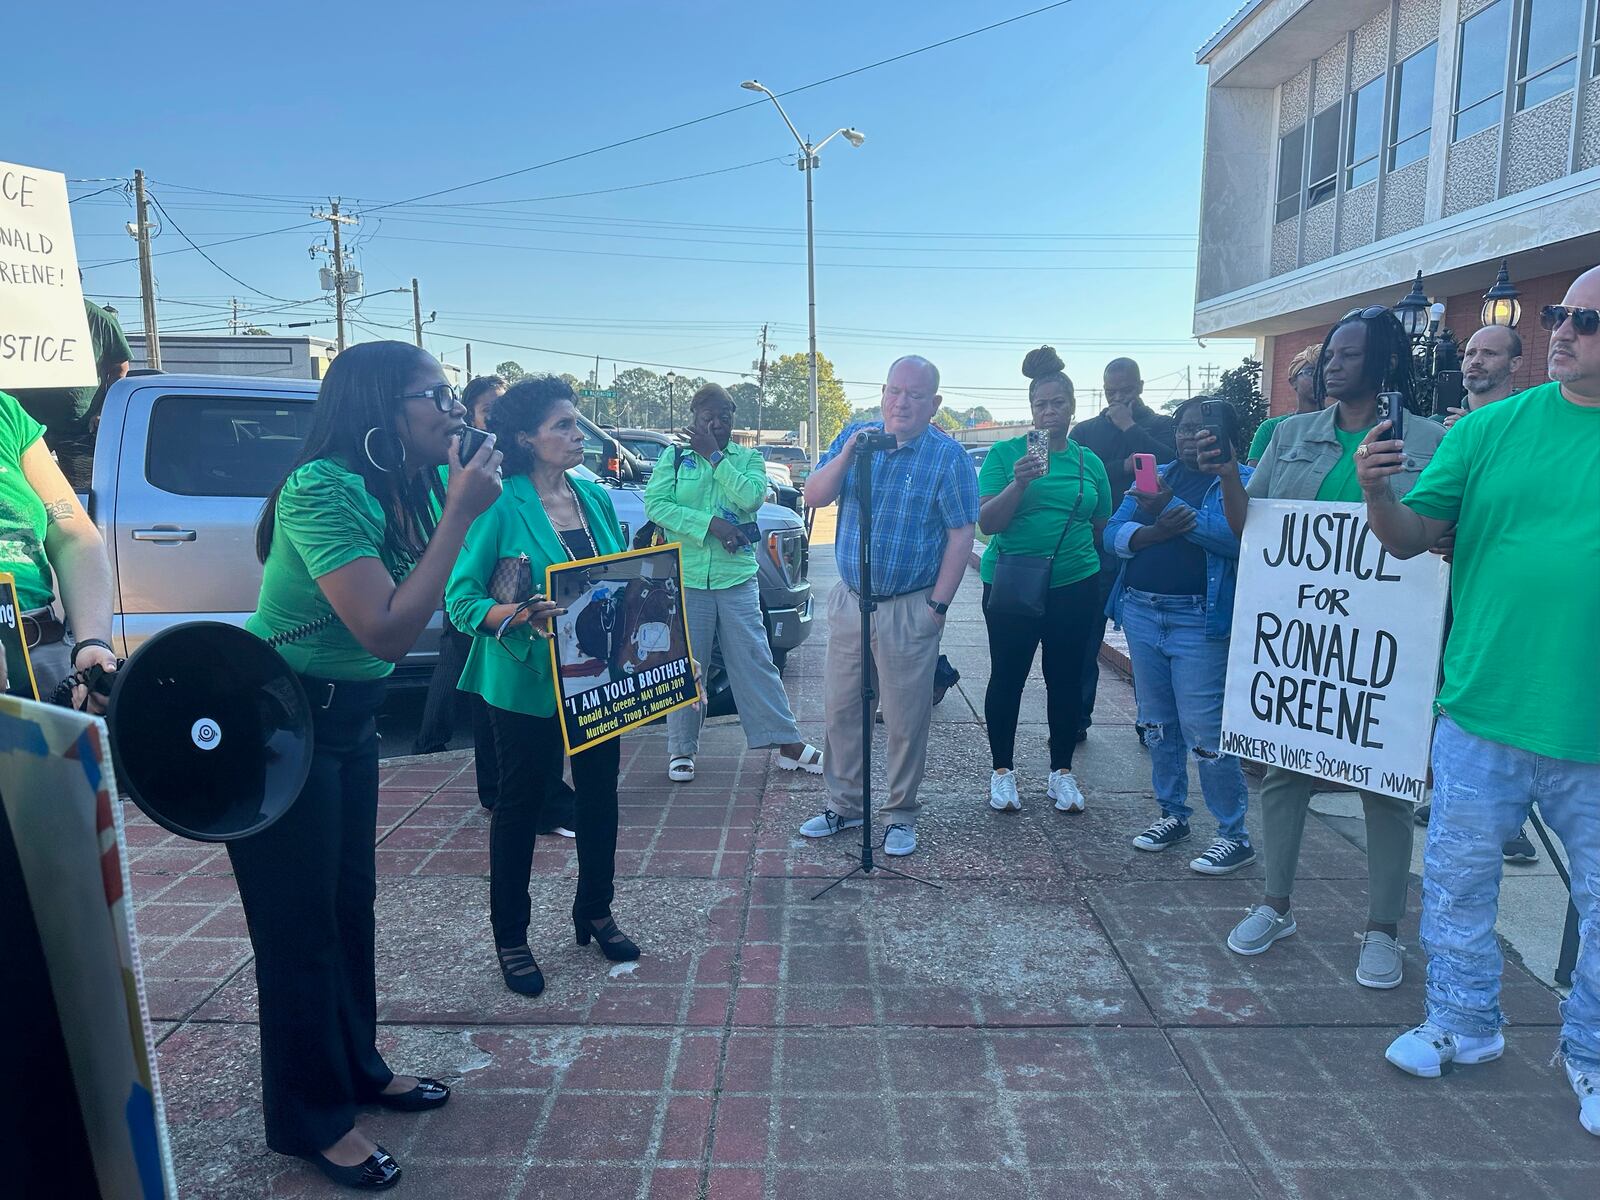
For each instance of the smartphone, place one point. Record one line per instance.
(1211, 415)
(1392, 408)
(471, 438)
(1039, 444)
(1448, 392)
(751, 532)
(1145, 478)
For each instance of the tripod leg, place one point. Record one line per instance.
(852, 871)
(1567, 960)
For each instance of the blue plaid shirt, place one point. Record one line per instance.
(920, 491)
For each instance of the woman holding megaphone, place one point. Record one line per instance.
(356, 546)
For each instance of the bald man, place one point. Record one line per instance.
(1518, 712)
(1491, 359)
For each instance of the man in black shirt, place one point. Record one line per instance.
(1127, 427)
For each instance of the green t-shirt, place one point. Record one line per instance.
(1521, 479)
(22, 518)
(1045, 508)
(1340, 482)
(326, 519)
(1263, 437)
(65, 411)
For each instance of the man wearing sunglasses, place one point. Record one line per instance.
(1518, 711)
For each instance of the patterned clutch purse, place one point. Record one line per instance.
(511, 581)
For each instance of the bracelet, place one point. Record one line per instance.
(77, 646)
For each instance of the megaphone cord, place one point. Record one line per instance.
(93, 677)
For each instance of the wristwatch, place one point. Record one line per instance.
(716, 457)
(941, 609)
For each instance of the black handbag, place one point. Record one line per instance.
(1021, 583)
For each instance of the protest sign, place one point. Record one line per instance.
(620, 653)
(19, 680)
(92, 1122)
(44, 332)
(1334, 661)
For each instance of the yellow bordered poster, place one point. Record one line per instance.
(19, 667)
(620, 653)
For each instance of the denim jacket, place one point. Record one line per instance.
(1211, 533)
(1305, 447)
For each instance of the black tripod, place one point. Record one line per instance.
(868, 444)
(1568, 958)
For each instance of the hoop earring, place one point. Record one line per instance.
(366, 446)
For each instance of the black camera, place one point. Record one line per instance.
(871, 441)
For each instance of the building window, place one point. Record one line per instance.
(1413, 107)
(1291, 171)
(1481, 74)
(1324, 169)
(1366, 134)
(1548, 63)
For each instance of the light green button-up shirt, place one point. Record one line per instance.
(685, 492)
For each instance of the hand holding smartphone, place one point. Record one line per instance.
(1145, 478)
(1039, 445)
(1392, 408)
(471, 439)
(1211, 415)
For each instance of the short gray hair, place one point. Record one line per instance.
(918, 361)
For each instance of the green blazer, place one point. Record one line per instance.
(513, 672)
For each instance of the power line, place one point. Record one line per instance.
(248, 287)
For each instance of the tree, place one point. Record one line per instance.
(510, 371)
(789, 396)
(947, 420)
(255, 331)
(1241, 387)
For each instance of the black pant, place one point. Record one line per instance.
(1094, 636)
(530, 753)
(1012, 642)
(308, 883)
(444, 702)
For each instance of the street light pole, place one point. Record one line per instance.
(809, 163)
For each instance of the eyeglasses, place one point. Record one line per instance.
(1366, 314)
(444, 397)
(1584, 320)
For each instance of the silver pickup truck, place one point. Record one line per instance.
(183, 463)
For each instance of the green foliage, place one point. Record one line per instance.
(789, 396)
(510, 371)
(1241, 387)
(948, 421)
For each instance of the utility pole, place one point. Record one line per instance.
(761, 383)
(416, 310)
(1208, 376)
(333, 218)
(233, 322)
(1188, 381)
(469, 362)
(147, 286)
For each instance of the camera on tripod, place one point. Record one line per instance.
(872, 441)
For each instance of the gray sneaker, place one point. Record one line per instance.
(1382, 962)
(1256, 933)
(899, 840)
(827, 823)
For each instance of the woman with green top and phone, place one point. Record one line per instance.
(356, 545)
(1364, 367)
(543, 516)
(1044, 500)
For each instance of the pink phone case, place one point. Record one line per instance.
(1145, 478)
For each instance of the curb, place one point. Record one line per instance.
(1109, 654)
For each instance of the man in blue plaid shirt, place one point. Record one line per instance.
(924, 510)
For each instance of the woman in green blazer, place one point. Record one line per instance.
(551, 517)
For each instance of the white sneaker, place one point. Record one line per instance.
(1064, 791)
(1003, 792)
(1427, 1050)
(1587, 1087)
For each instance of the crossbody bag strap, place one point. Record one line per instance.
(1076, 504)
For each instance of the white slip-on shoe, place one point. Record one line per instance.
(1064, 791)
(1003, 792)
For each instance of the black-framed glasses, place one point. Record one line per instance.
(1367, 313)
(444, 397)
(1585, 321)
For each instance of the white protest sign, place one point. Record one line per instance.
(44, 333)
(1334, 661)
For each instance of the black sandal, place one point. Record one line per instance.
(515, 964)
(614, 944)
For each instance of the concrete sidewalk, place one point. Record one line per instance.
(1061, 1019)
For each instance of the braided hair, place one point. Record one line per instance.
(1044, 365)
(1386, 365)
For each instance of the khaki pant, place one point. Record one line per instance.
(905, 650)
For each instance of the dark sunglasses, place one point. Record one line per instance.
(444, 397)
(1366, 314)
(1584, 320)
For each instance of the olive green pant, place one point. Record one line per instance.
(1285, 797)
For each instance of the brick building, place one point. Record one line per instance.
(1352, 143)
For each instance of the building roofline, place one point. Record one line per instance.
(1248, 10)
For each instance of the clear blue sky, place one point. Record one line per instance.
(1069, 140)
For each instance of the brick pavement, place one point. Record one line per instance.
(1060, 1020)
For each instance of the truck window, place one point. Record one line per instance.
(217, 446)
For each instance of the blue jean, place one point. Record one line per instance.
(1178, 675)
(1482, 792)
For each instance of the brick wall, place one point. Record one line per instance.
(1461, 317)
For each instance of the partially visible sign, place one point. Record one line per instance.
(19, 680)
(1334, 661)
(621, 650)
(44, 332)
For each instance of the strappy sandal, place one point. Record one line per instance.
(681, 769)
(810, 761)
(520, 970)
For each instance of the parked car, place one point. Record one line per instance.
(645, 444)
(608, 457)
(977, 454)
(793, 457)
(183, 464)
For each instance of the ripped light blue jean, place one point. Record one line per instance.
(1178, 674)
(1482, 792)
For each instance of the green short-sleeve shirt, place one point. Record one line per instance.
(1521, 480)
(326, 519)
(1045, 509)
(22, 519)
(1263, 437)
(1340, 483)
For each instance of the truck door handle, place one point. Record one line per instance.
(163, 535)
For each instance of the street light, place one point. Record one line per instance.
(1413, 310)
(807, 164)
(672, 378)
(1500, 303)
